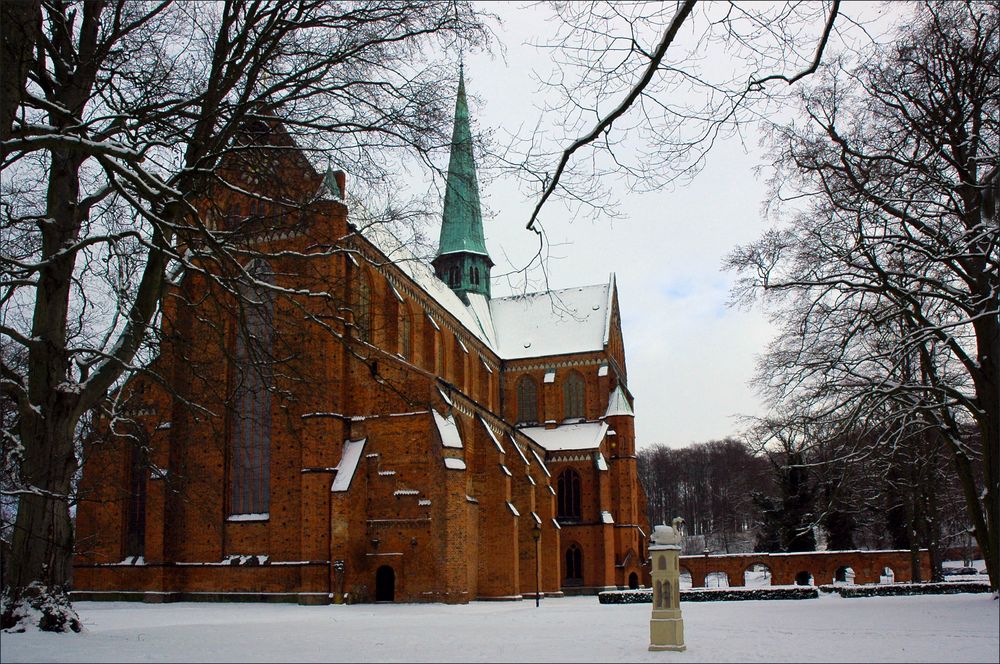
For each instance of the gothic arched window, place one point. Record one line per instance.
(573, 391)
(135, 514)
(363, 308)
(568, 494)
(527, 400)
(455, 276)
(250, 467)
(574, 565)
(405, 333)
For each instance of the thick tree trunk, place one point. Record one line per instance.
(916, 517)
(987, 382)
(39, 573)
(21, 21)
(934, 540)
(981, 520)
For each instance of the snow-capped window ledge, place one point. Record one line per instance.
(259, 516)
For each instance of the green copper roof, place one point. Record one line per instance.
(328, 189)
(462, 223)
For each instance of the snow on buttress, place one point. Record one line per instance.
(454, 464)
(492, 435)
(348, 464)
(448, 430)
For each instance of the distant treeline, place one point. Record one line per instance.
(738, 499)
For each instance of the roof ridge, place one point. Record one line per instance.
(551, 290)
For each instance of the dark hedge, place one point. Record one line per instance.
(711, 594)
(797, 592)
(897, 589)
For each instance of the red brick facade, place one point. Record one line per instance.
(448, 533)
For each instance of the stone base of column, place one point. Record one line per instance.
(666, 634)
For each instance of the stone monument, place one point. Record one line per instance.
(666, 626)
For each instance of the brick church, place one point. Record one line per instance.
(360, 425)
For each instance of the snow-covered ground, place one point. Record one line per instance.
(941, 628)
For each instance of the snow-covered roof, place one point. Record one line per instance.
(423, 275)
(479, 307)
(618, 404)
(348, 464)
(571, 320)
(601, 463)
(581, 436)
(448, 430)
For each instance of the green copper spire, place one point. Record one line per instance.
(462, 260)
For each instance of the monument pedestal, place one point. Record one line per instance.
(666, 626)
(666, 631)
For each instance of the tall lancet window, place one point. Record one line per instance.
(573, 390)
(568, 495)
(135, 514)
(363, 308)
(250, 465)
(527, 400)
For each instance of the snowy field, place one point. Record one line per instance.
(941, 628)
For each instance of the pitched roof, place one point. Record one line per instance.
(618, 404)
(423, 276)
(581, 436)
(571, 320)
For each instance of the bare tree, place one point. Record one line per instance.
(710, 483)
(885, 279)
(640, 92)
(124, 115)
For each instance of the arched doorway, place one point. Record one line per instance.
(757, 574)
(574, 566)
(633, 581)
(843, 575)
(685, 580)
(803, 579)
(385, 584)
(716, 580)
(887, 576)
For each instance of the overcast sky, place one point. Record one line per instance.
(689, 356)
